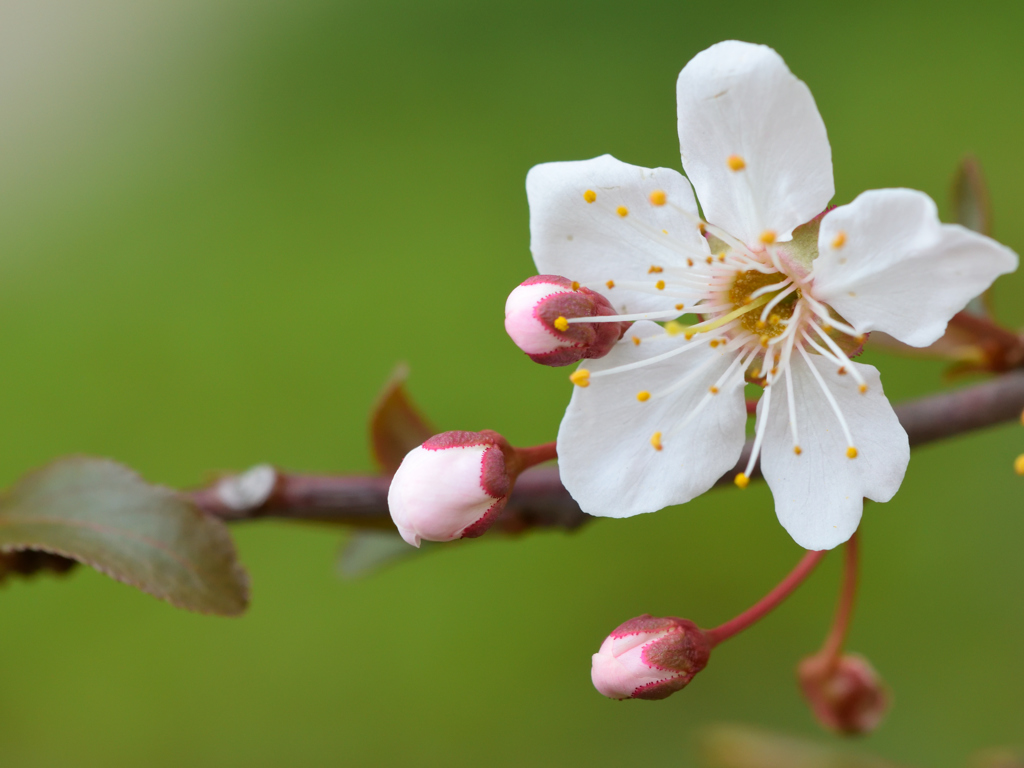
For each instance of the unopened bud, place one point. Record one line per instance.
(451, 487)
(649, 658)
(538, 314)
(846, 696)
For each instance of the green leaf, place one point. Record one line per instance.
(396, 426)
(368, 551)
(104, 515)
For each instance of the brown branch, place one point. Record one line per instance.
(540, 500)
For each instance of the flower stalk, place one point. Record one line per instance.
(769, 602)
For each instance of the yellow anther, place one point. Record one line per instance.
(664, 231)
(826, 327)
(708, 259)
(713, 343)
(561, 324)
(654, 270)
(774, 371)
(1022, 417)
(756, 373)
(701, 227)
(1018, 464)
(643, 396)
(764, 341)
(672, 328)
(774, 319)
(863, 388)
(590, 195)
(658, 197)
(842, 371)
(840, 239)
(851, 452)
(680, 306)
(797, 450)
(860, 338)
(660, 285)
(656, 441)
(623, 211)
(580, 377)
(767, 237)
(610, 284)
(741, 480)
(736, 163)
(689, 335)
(713, 390)
(689, 262)
(721, 256)
(575, 285)
(761, 323)
(636, 341)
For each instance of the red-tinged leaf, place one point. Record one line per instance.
(396, 426)
(970, 197)
(737, 746)
(972, 209)
(30, 563)
(104, 515)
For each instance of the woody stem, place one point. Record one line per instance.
(769, 602)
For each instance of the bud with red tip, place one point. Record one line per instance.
(649, 658)
(452, 486)
(537, 315)
(846, 695)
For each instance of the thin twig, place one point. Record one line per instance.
(539, 499)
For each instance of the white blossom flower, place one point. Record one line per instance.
(784, 297)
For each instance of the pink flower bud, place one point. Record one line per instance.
(649, 658)
(847, 696)
(537, 315)
(451, 487)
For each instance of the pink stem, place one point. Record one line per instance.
(767, 603)
(833, 645)
(537, 454)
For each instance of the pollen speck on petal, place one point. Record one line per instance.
(658, 197)
(840, 239)
(610, 284)
(623, 211)
(643, 396)
(656, 441)
(736, 163)
(767, 237)
(581, 377)
(590, 195)
(660, 285)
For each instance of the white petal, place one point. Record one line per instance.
(819, 493)
(898, 269)
(592, 244)
(739, 99)
(605, 455)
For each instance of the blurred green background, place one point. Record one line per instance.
(221, 224)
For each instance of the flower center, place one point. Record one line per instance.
(752, 284)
